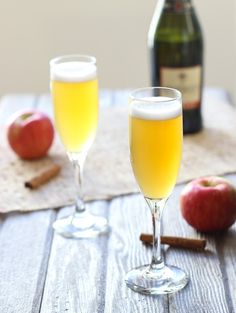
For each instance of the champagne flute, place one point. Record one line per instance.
(156, 136)
(74, 90)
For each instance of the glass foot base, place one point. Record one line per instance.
(81, 225)
(168, 279)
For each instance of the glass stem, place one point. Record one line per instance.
(156, 207)
(78, 160)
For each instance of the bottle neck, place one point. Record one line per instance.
(177, 5)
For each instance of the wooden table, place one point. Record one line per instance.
(42, 272)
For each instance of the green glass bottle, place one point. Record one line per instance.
(176, 46)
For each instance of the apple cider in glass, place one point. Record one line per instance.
(156, 137)
(156, 146)
(74, 90)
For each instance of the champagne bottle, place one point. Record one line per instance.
(176, 45)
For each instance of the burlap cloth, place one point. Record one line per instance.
(107, 171)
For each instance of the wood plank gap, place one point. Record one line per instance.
(222, 264)
(167, 308)
(101, 288)
(2, 220)
(37, 300)
(164, 255)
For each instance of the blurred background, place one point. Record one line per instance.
(115, 32)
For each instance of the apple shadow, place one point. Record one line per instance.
(226, 240)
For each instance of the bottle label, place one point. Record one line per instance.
(187, 80)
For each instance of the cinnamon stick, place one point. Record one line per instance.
(43, 177)
(177, 242)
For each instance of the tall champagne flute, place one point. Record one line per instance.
(156, 135)
(74, 90)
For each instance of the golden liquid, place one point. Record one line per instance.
(156, 147)
(76, 112)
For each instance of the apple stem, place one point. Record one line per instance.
(156, 206)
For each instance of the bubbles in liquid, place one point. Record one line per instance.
(73, 71)
(156, 108)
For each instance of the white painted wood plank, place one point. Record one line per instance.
(75, 278)
(205, 291)
(106, 97)
(12, 103)
(121, 97)
(24, 241)
(226, 248)
(128, 216)
(24, 250)
(215, 94)
(44, 104)
(88, 275)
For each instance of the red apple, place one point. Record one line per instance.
(30, 134)
(209, 204)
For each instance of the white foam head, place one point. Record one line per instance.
(156, 108)
(73, 71)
